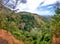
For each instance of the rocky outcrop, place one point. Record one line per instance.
(7, 38)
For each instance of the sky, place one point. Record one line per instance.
(40, 7)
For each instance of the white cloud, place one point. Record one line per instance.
(47, 2)
(31, 6)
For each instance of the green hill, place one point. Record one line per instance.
(26, 26)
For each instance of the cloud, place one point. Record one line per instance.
(33, 6)
(47, 2)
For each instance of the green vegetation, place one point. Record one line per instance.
(30, 28)
(56, 23)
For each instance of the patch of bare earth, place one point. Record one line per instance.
(56, 40)
(7, 38)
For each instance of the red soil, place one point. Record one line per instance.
(7, 38)
(56, 40)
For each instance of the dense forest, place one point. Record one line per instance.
(30, 27)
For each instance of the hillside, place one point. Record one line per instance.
(21, 20)
(25, 26)
(29, 28)
(7, 38)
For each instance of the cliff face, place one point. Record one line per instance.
(7, 38)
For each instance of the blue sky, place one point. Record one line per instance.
(41, 7)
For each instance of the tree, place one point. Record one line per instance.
(0, 4)
(56, 22)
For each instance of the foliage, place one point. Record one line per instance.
(26, 26)
(30, 28)
(56, 23)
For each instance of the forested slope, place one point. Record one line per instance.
(29, 27)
